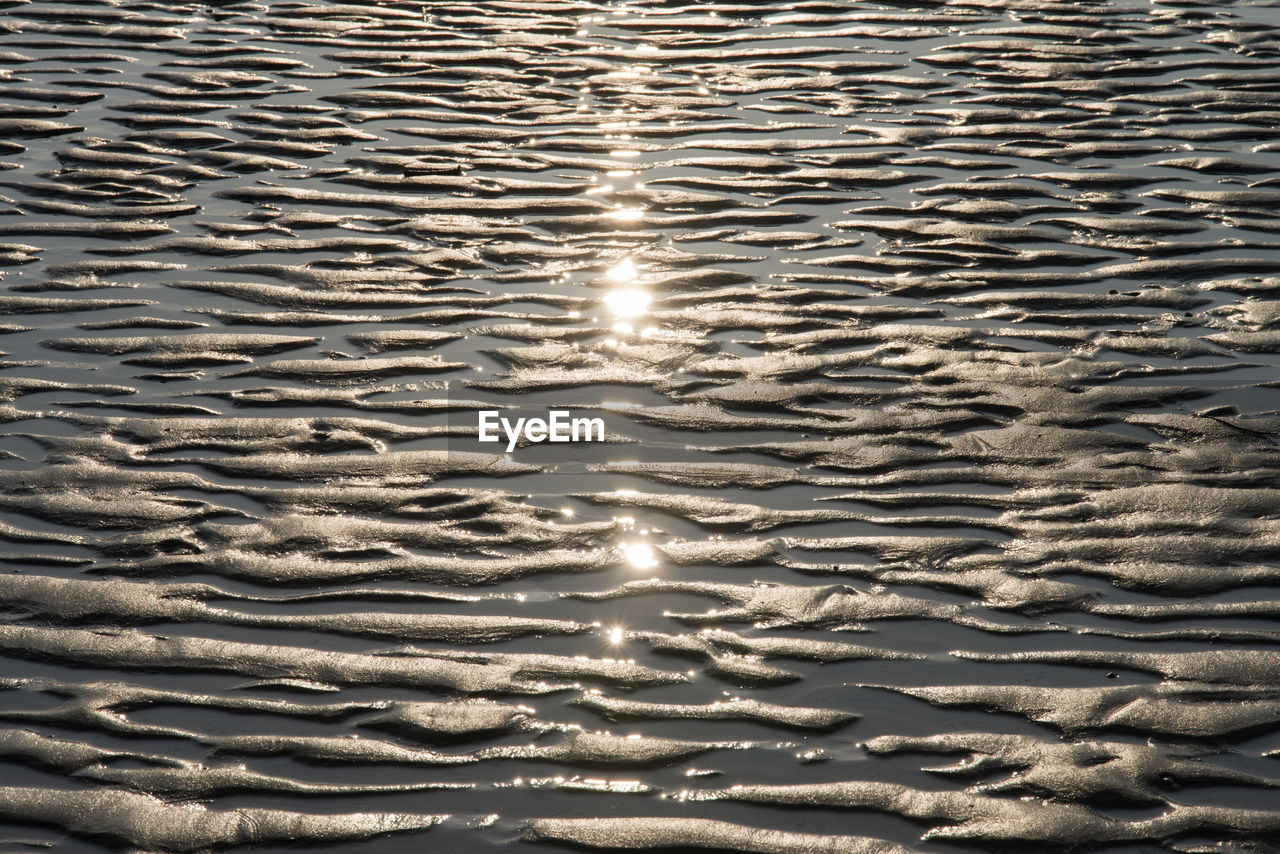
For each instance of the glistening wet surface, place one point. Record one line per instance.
(936, 346)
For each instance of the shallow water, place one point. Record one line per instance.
(936, 346)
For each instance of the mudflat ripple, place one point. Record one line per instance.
(939, 506)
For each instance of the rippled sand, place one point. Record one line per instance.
(939, 506)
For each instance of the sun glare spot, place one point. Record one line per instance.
(629, 302)
(640, 556)
(622, 272)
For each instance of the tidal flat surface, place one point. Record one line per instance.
(939, 509)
